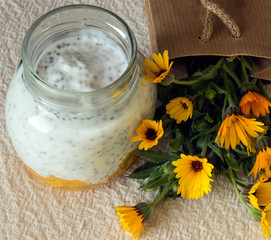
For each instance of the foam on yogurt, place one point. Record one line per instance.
(82, 63)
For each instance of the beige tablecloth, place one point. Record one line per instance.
(31, 210)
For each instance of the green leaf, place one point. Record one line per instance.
(224, 107)
(177, 142)
(233, 92)
(157, 156)
(231, 74)
(242, 153)
(216, 88)
(196, 114)
(227, 175)
(199, 125)
(231, 161)
(200, 102)
(175, 196)
(171, 176)
(256, 214)
(201, 141)
(167, 125)
(254, 81)
(143, 171)
(214, 128)
(217, 151)
(195, 136)
(208, 118)
(247, 62)
(245, 168)
(208, 73)
(247, 164)
(242, 183)
(167, 168)
(154, 183)
(156, 172)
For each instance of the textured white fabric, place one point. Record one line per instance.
(31, 210)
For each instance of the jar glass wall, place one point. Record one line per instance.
(77, 97)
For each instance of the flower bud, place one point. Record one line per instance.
(168, 80)
(262, 142)
(210, 93)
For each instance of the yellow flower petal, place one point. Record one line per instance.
(131, 219)
(194, 176)
(166, 59)
(180, 109)
(149, 64)
(149, 132)
(159, 61)
(266, 221)
(236, 128)
(241, 133)
(156, 71)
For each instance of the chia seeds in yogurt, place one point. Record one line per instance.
(86, 141)
(82, 64)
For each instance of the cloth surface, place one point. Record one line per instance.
(30, 209)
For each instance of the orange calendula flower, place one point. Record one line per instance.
(148, 132)
(255, 102)
(157, 70)
(266, 221)
(132, 218)
(180, 108)
(236, 128)
(195, 176)
(260, 193)
(263, 158)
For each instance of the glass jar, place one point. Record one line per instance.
(77, 97)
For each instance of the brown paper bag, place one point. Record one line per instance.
(176, 24)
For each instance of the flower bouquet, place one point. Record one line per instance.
(216, 121)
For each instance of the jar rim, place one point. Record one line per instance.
(27, 60)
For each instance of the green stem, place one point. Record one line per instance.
(190, 150)
(227, 87)
(195, 136)
(221, 60)
(224, 107)
(244, 71)
(232, 74)
(203, 77)
(195, 96)
(160, 196)
(205, 146)
(187, 82)
(237, 190)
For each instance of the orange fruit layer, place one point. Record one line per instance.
(77, 185)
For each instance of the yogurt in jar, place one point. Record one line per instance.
(77, 150)
(82, 63)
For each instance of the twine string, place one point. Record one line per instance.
(214, 9)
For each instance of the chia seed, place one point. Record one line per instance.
(89, 147)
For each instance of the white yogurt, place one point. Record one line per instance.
(82, 63)
(77, 147)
